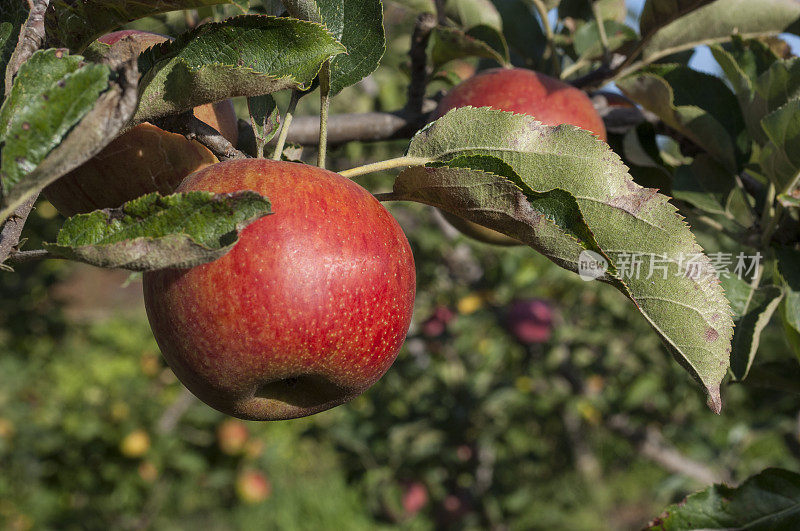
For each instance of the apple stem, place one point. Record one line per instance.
(287, 121)
(399, 162)
(324, 105)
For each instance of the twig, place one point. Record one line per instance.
(425, 24)
(31, 38)
(285, 124)
(192, 128)
(652, 445)
(172, 415)
(21, 257)
(12, 228)
(548, 32)
(601, 29)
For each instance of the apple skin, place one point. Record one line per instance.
(524, 91)
(306, 312)
(142, 160)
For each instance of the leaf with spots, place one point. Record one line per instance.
(51, 93)
(770, 500)
(74, 24)
(249, 55)
(653, 256)
(158, 232)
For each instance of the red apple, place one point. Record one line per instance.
(524, 91)
(142, 160)
(306, 312)
(232, 436)
(253, 486)
(530, 321)
(519, 90)
(415, 498)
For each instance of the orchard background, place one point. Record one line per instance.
(582, 420)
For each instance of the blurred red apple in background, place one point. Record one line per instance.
(519, 90)
(306, 312)
(253, 486)
(436, 324)
(524, 91)
(142, 160)
(530, 321)
(415, 498)
(232, 436)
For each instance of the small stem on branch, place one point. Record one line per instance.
(399, 162)
(601, 29)
(12, 229)
(324, 105)
(192, 128)
(287, 121)
(20, 257)
(548, 31)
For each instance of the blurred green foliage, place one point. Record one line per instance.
(470, 429)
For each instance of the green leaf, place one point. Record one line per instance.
(753, 307)
(770, 500)
(587, 38)
(792, 334)
(157, 232)
(708, 117)
(470, 13)
(581, 10)
(686, 308)
(358, 25)
(264, 120)
(658, 13)
(777, 375)
(75, 23)
(51, 93)
(705, 184)
(249, 55)
(780, 157)
(718, 21)
(789, 267)
(558, 206)
(452, 43)
(108, 114)
(522, 30)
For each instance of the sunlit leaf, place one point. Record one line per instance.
(687, 309)
(156, 232)
(769, 500)
(75, 23)
(248, 55)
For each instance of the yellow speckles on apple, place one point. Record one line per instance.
(319, 294)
